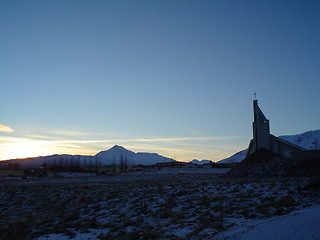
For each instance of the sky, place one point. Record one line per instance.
(175, 77)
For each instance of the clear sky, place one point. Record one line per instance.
(166, 76)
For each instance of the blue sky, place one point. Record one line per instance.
(172, 77)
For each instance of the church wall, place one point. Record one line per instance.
(302, 155)
(280, 147)
(261, 136)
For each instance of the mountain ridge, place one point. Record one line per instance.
(116, 155)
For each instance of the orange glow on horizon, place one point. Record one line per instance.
(24, 150)
(13, 148)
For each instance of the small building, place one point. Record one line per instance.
(71, 174)
(208, 165)
(169, 165)
(109, 170)
(189, 165)
(116, 169)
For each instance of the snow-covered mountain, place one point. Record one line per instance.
(237, 157)
(309, 140)
(195, 161)
(120, 155)
(114, 156)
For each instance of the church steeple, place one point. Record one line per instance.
(262, 137)
(261, 128)
(259, 117)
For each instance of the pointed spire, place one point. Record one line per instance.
(259, 117)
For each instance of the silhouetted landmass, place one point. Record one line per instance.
(264, 163)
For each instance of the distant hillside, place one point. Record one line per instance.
(309, 140)
(114, 156)
(64, 160)
(118, 154)
(237, 157)
(195, 161)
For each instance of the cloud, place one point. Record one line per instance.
(132, 140)
(184, 139)
(7, 129)
(68, 133)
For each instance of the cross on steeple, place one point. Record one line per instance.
(255, 96)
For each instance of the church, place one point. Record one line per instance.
(263, 139)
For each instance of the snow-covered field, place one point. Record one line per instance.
(159, 207)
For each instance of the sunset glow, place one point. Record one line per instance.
(24, 149)
(177, 148)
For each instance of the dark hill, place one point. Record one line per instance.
(264, 164)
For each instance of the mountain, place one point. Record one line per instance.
(309, 140)
(114, 156)
(195, 161)
(119, 155)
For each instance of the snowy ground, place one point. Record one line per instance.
(297, 225)
(302, 225)
(159, 207)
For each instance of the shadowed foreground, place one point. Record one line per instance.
(145, 206)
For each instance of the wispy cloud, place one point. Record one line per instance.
(116, 141)
(7, 129)
(131, 140)
(68, 133)
(183, 139)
